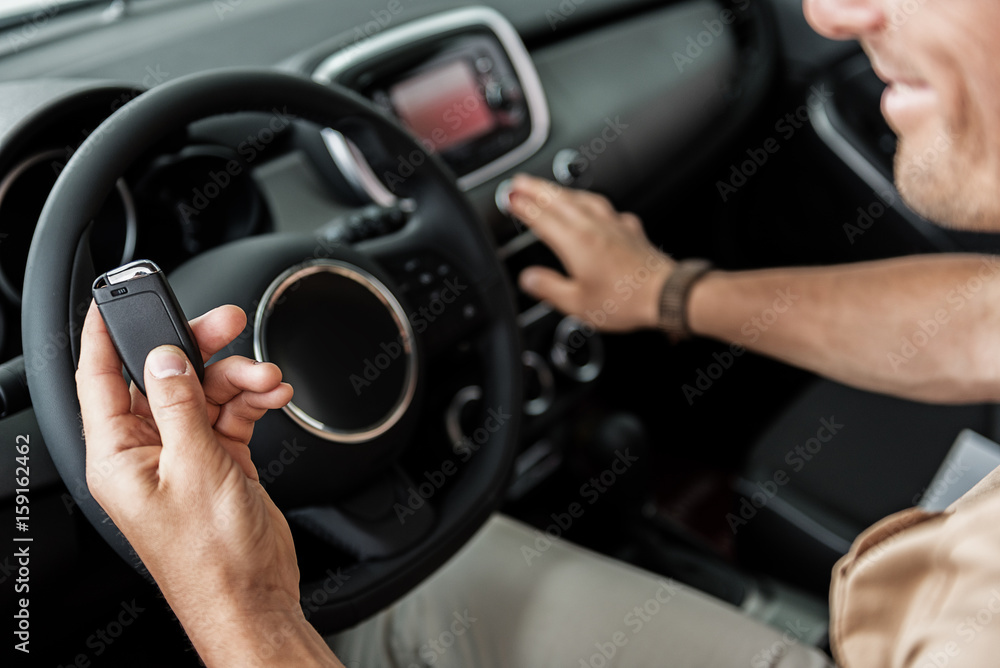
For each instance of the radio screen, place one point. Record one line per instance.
(444, 106)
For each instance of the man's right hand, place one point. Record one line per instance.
(174, 473)
(615, 274)
(855, 323)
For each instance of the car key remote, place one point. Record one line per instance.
(141, 312)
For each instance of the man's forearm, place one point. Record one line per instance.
(925, 328)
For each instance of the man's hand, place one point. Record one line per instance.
(173, 471)
(615, 274)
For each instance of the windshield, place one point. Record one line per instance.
(13, 12)
(13, 9)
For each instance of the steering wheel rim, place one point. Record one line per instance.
(58, 277)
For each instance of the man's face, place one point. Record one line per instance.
(941, 61)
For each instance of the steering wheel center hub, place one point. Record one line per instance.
(344, 343)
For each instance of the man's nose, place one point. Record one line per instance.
(844, 19)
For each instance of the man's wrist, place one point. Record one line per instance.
(272, 637)
(703, 302)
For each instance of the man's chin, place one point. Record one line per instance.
(942, 196)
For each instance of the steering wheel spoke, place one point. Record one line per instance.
(379, 522)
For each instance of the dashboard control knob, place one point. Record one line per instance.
(539, 384)
(568, 166)
(502, 196)
(459, 417)
(577, 350)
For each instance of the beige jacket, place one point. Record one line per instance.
(922, 589)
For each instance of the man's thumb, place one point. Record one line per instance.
(176, 400)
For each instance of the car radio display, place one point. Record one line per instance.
(444, 106)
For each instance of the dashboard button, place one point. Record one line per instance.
(502, 196)
(484, 64)
(568, 166)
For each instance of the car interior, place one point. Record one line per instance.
(339, 170)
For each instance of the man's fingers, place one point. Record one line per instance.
(104, 397)
(177, 403)
(229, 377)
(632, 223)
(550, 286)
(531, 199)
(216, 329)
(598, 206)
(237, 418)
(544, 208)
(244, 390)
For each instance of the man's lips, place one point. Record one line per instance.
(906, 99)
(905, 104)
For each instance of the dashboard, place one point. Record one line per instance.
(488, 91)
(463, 81)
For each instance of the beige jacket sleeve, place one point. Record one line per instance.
(921, 589)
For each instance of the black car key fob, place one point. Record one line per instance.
(141, 312)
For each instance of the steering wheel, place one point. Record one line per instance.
(360, 462)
